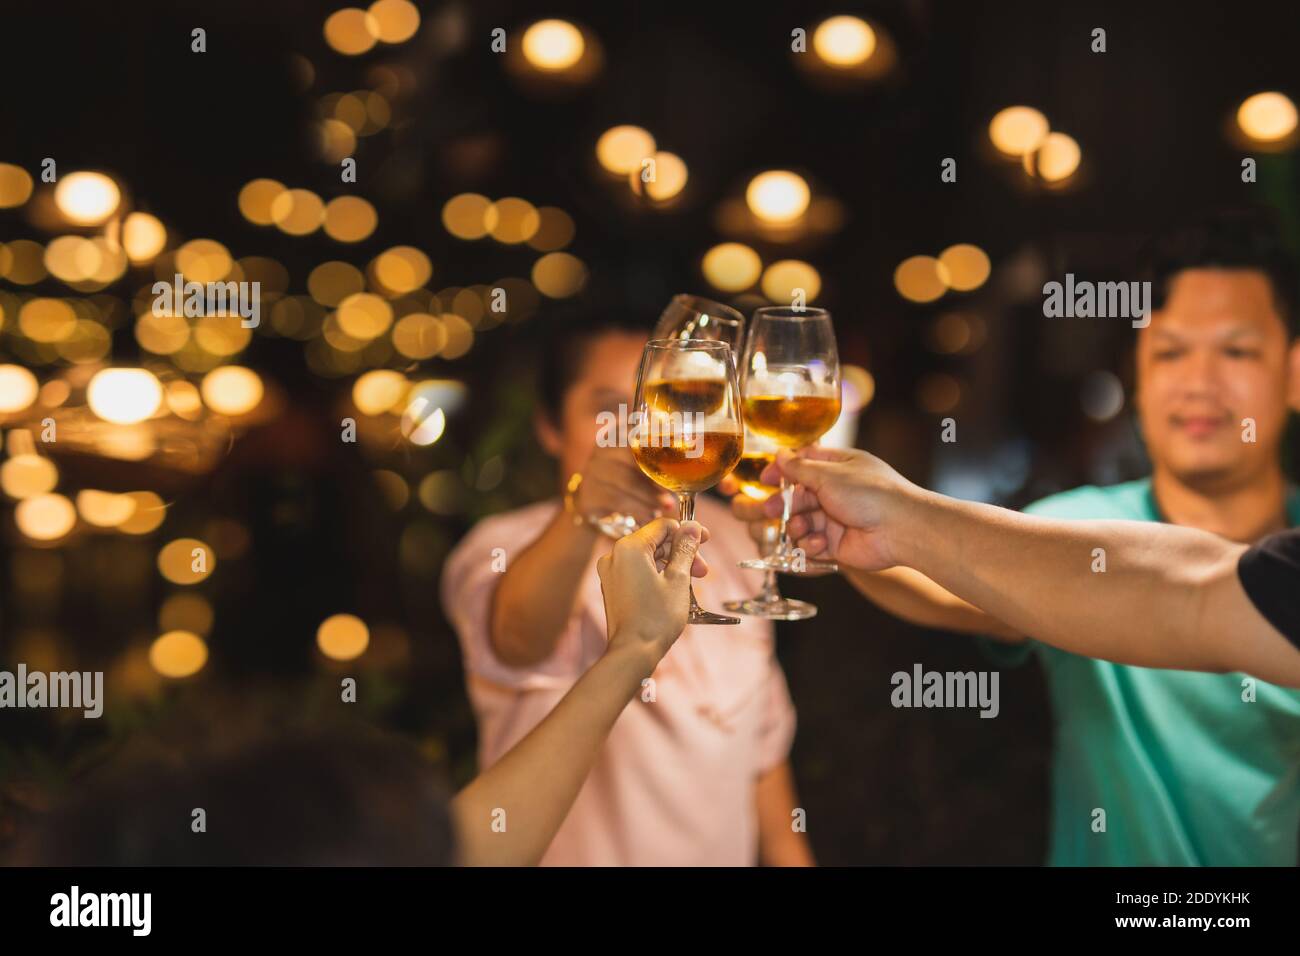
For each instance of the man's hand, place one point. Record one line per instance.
(612, 483)
(645, 581)
(842, 507)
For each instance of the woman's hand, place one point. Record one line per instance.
(645, 581)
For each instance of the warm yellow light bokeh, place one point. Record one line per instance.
(186, 561)
(28, 475)
(350, 219)
(621, 149)
(103, 509)
(1056, 159)
(297, 211)
(256, 199)
(1267, 117)
(15, 185)
(124, 396)
(150, 510)
(395, 21)
(1017, 130)
(343, 637)
(921, 279)
(553, 45)
(731, 266)
(844, 41)
(351, 31)
(232, 390)
(143, 236)
(379, 391)
(669, 176)
(559, 275)
(465, 216)
(778, 196)
(178, 654)
(18, 388)
(46, 517)
(967, 266)
(87, 198)
(782, 279)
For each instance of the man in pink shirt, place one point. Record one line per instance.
(695, 771)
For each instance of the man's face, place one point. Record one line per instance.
(1217, 353)
(605, 380)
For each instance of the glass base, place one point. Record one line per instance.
(615, 525)
(784, 564)
(701, 616)
(777, 609)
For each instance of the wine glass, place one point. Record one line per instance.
(687, 434)
(760, 451)
(695, 317)
(790, 377)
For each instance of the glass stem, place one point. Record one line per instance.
(787, 501)
(686, 512)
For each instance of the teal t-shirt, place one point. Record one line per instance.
(1187, 771)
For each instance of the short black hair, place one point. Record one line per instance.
(1237, 238)
(565, 336)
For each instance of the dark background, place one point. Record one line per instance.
(115, 86)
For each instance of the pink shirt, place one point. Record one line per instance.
(675, 783)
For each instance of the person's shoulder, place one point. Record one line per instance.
(506, 529)
(1127, 501)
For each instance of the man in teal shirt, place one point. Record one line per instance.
(1163, 767)
(1188, 768)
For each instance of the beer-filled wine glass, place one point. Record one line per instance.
(790, 377)
(760, 451)
(688, 432)
(695, 317)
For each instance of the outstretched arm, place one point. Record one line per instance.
(1169, 597)
(508, 815)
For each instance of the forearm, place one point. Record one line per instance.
(531, 788)
(535, 596)
(779, 843)
(910, 595)
(1045, 578)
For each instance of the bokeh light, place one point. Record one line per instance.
(178, 654)
(45, 517)
(559, 275)
(351, 31)
(1017, 130)
(782, 279)
(297, 212)
(1056, 159)
(844, 41)
(1267, 117)
(778, 196)
(256, 199)
(15, 185)
(465, 216)
(232, 390)
(350, 219)
(124, 396)
(342, 637)
(921, 279)
(670, 175)
(143, 236)
(394, 21)
(87, 198)
(622, 148)
(731, 266)
(18, 388)
(966, 265)
(553, 45)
